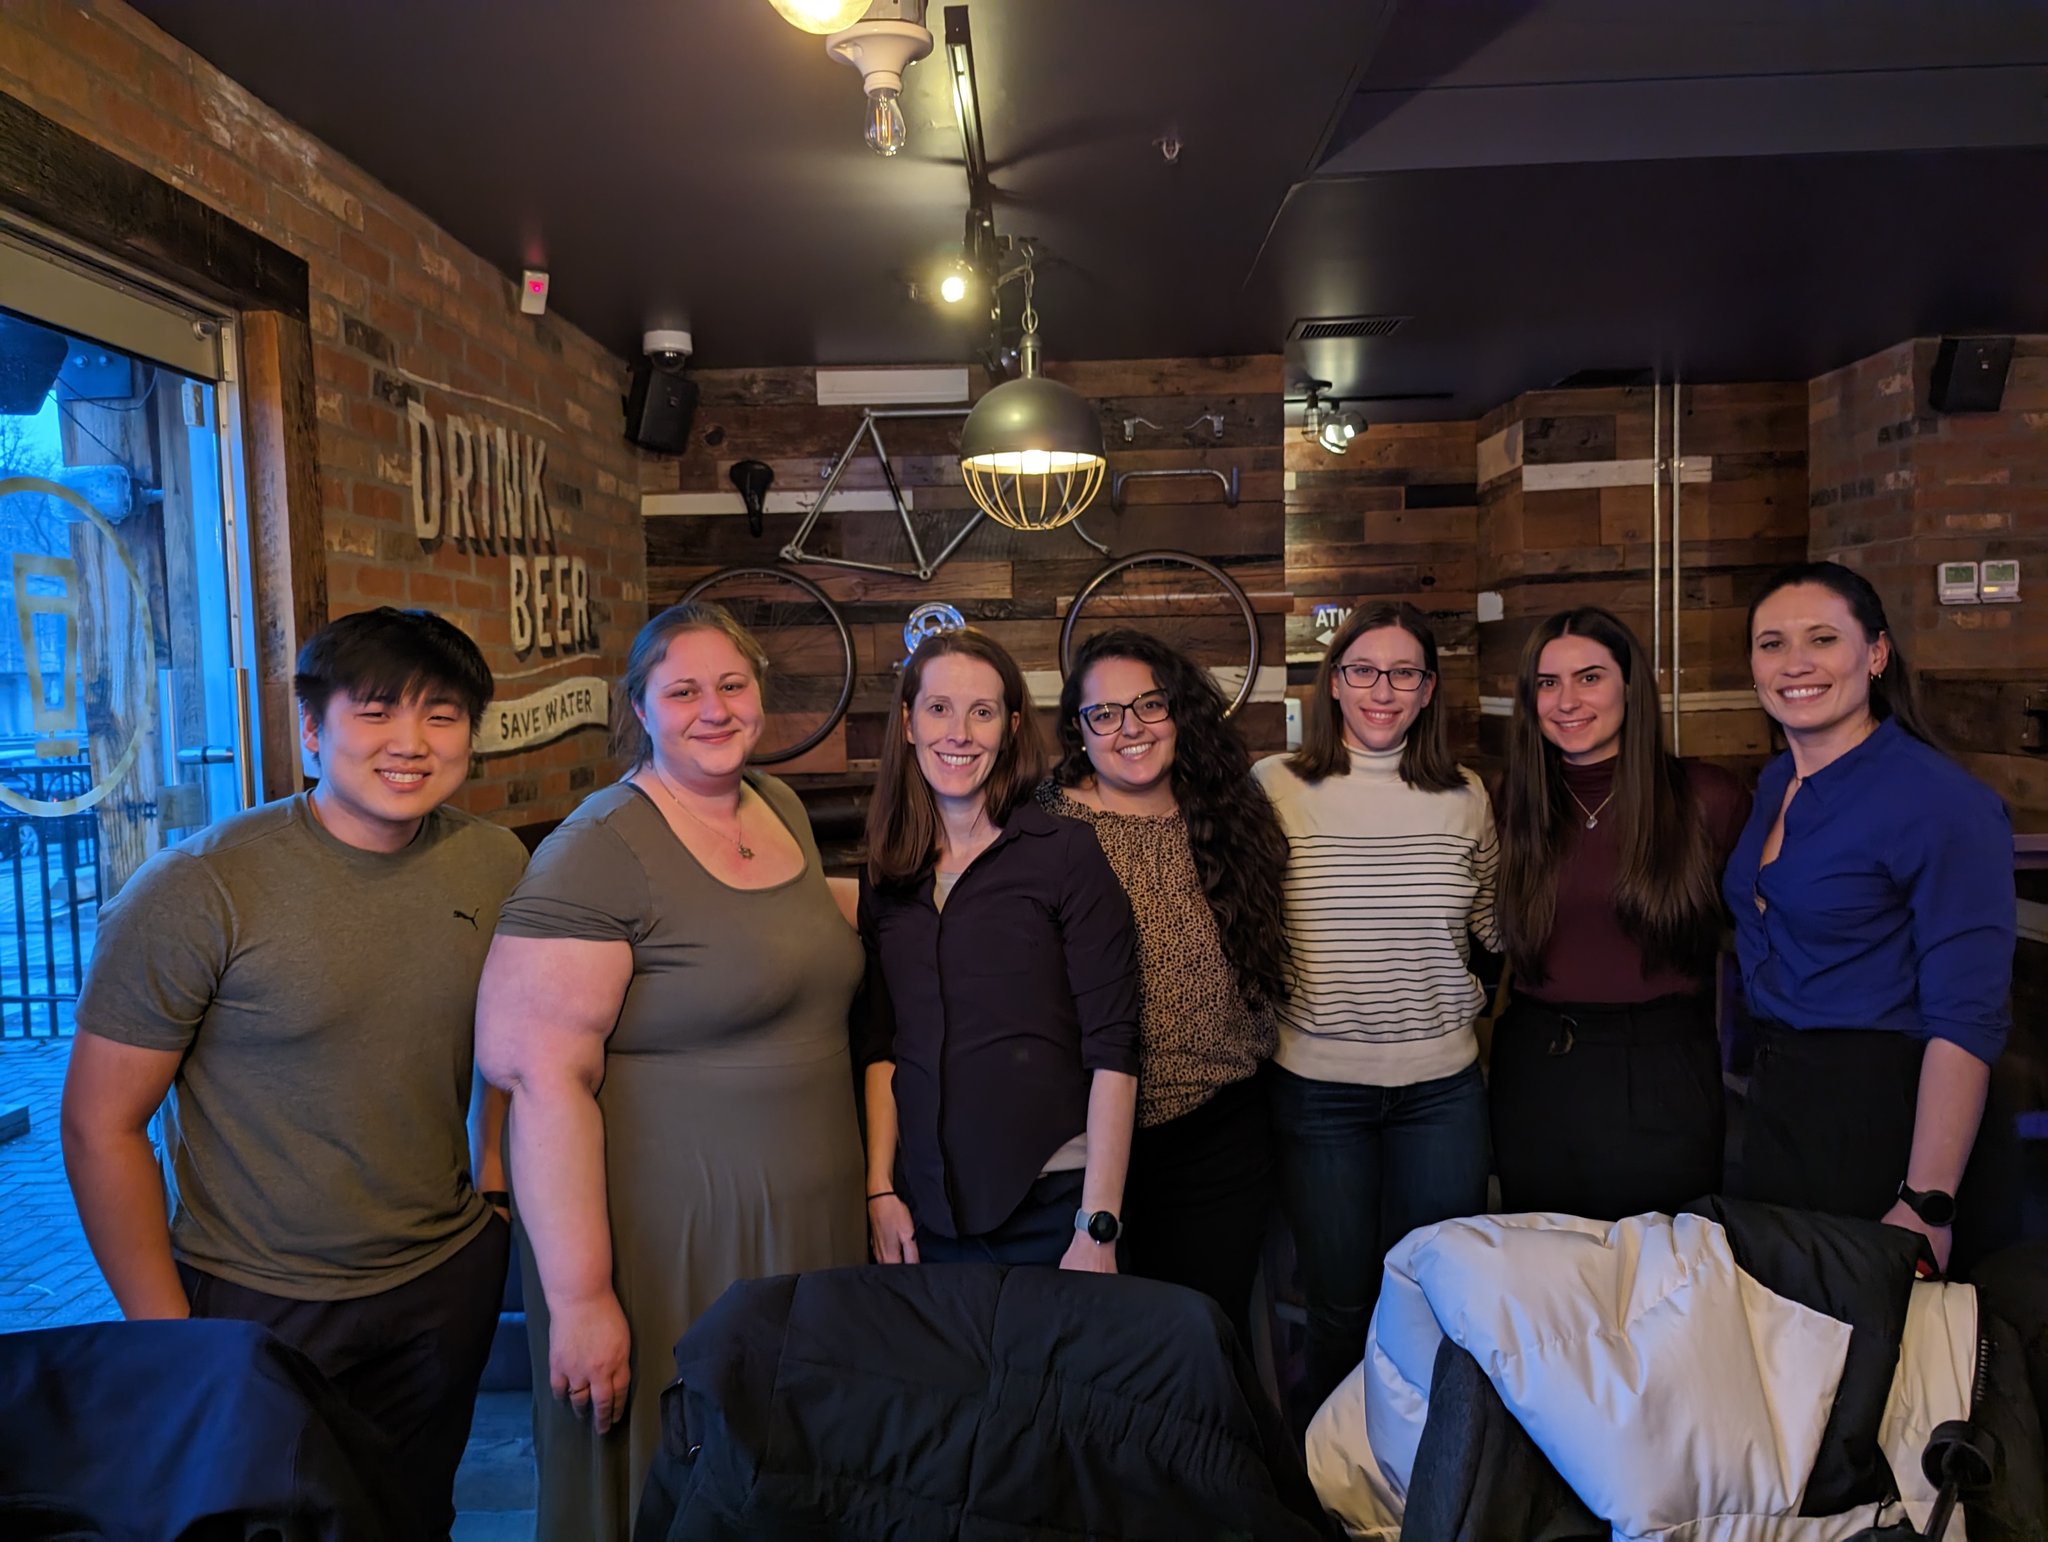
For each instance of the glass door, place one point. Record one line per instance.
(123, 706)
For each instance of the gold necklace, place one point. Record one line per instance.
(739, 826)
(1592, 814)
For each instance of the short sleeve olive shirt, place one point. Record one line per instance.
(324, 999)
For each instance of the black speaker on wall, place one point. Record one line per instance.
(1969, 374)
(660, 404)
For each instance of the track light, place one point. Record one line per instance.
(1332, 429)
(1338, 429)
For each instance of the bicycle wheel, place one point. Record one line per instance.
(1181, 599)
(810, 654)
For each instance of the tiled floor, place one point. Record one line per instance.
(47, 1276)
(494, 1489)
(48, 1280)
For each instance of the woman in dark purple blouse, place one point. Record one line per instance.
(1002, 1053)
(1606, 1070)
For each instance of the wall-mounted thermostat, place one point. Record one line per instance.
(1955, 583)
(1998, 581)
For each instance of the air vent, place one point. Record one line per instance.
(1319, 329)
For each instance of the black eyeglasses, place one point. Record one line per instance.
(1363, 677)
(1107, 717)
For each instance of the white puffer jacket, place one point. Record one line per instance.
(1680, 1398)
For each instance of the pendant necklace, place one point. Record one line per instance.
(1592, 814)
(739, 829)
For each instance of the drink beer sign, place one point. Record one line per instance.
(485, 489)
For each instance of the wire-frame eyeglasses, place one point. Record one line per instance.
(1363, 677)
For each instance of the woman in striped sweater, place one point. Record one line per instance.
(1379, 1109)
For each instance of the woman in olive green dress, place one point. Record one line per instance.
(665, 1003)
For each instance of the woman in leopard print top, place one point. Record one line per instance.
(1149, 762)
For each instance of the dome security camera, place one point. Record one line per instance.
(669, 348)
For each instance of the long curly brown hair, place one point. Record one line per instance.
(1240, 849)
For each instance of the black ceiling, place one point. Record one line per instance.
(1733, 189)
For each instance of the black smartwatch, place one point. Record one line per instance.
(1100, 1225)
(1931, 1205)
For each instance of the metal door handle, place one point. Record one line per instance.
(207, 755)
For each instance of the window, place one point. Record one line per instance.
(124, 710)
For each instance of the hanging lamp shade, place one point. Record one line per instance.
(820, 16)
(1031, 451)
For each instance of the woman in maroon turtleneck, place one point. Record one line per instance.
(1606, 1070)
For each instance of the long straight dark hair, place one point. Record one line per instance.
(1240, 850)
(1892, 694)
(1426, 759)
(1666, 890)
(903, 818)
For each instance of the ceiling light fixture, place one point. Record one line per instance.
(882, 51)
(820, 16)
(1031, 450)
(1339, 429)
(1328, 425)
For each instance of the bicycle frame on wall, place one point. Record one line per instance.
(924, 569)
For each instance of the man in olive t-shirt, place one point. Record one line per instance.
(296, 989)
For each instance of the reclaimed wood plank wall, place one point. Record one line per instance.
(1393, 518)
(1565, 519)
(1015, 585)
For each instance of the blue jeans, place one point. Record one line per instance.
(1038, 1231)
(1360, 1168)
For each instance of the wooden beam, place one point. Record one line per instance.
(1610, 473)
(288, 555)
(71, 185)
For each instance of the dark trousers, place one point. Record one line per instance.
(1360, 1168)
(1038, 1231)
(1828, 1125)
(1200, 1197)
(1607, 1111)
(408, 1359)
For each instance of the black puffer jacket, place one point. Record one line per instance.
(974, 1402)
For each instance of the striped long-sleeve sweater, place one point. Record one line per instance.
(1384, 881)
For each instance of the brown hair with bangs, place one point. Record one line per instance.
(1426, 759)
(903, 818)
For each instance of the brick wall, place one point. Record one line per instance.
(400, 312)
(1898, 487)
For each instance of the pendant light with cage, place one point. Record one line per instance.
(1031, 450)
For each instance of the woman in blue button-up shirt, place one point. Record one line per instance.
(1873, 900)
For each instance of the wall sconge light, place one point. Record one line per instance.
(1031, 450)
(882, 51)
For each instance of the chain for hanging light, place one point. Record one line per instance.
(1031, 450)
